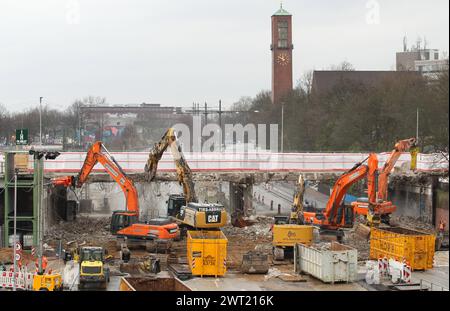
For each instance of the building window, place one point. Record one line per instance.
(436, 56)
(283, 34)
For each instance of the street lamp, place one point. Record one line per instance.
(40, 120)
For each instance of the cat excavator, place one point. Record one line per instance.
(125, 224)
(291, 230)
(185, 208)
(378, 209)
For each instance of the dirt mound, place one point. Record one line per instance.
(6, 256)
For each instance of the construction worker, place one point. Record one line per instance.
(442, 225)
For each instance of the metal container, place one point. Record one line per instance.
(400, 243)
(132, 284)
(289, 235)
(207, 253)
(28, 241)
(254, 262)
(328, 262)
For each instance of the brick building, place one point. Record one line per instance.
(282, 82)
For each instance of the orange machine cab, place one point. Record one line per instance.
(126, 224)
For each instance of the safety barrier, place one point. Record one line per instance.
(24, 280)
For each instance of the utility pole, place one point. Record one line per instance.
(15, 232)
(41, 213)
(38, 166)
(40, 120)
(79, 125)
(417, 125)
(220, 124)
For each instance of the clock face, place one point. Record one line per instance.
(283, 59)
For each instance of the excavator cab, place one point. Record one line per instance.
(121, 220)
(174, 204)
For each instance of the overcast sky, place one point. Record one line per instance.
(175, 52)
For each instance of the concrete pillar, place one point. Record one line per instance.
(248, 199)
(241, 200)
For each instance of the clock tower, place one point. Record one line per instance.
(281, 48)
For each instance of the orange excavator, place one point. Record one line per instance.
(336, 215)
(124, 223)
(379, 209)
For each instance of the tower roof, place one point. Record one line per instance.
(282, 12)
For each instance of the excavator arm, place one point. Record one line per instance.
(123, 223)
(297, 206)
(99, 154)
(383, 179)
(334, 217)
(184, 172)
(340, 189)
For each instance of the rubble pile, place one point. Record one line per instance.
(259, 230)
(361, 244)
(6, 256)
(412, 223)
(83, 229)
(241, 240)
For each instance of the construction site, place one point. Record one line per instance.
(339, 185)
(110, 227)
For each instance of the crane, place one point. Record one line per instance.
(184, 208)
(124, 223)
(378, 209)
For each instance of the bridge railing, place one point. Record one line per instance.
(134, 162)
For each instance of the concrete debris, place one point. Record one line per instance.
(412, 223)
(362, 231)
(261, 229)
(358, 242)
(287, 277)
(83, 229)
(291, 278)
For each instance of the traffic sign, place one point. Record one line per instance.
(18, 246)
(18, 257)
(22, 137)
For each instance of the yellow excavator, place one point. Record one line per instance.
(185, 208)
(291, 230)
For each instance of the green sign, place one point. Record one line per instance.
(22, 137)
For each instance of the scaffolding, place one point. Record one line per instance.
(27, 183)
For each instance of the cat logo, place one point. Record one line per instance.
(209, 261)
(291, 234)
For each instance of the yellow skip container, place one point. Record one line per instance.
(401, 243)
(207, 253)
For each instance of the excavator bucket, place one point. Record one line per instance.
(241, 222)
